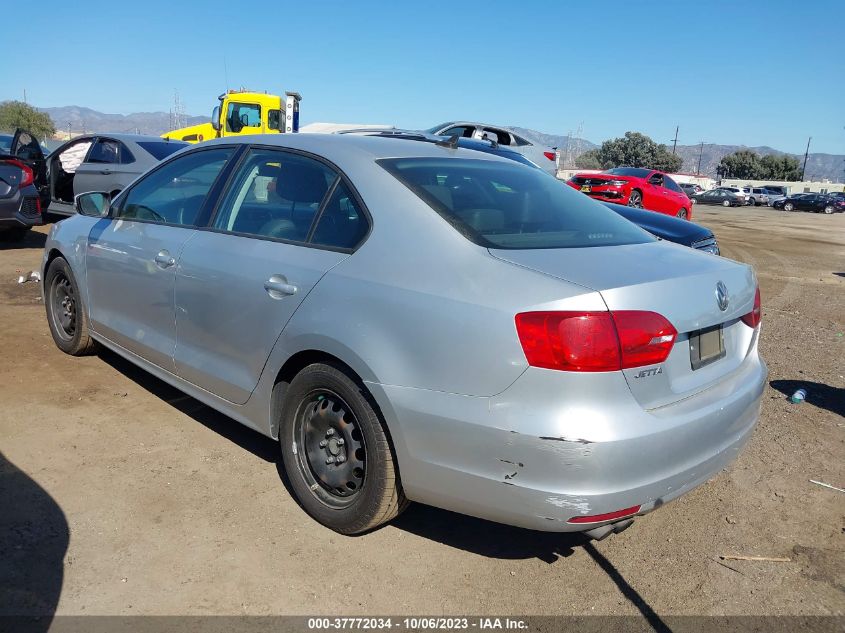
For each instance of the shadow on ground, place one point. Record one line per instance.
(32, 239)
(485, 538)
(34, 537)
(818, 394)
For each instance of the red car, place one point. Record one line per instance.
(635, 187)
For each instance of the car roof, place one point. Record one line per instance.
(338, 147)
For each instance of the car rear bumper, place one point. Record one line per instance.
(617, 195)
(20, 212)
(542, 453)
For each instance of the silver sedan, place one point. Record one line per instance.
(416, 322)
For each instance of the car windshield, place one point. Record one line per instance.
(629, 171)
(161, 149)
(506, 205)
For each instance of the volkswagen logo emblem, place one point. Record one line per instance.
(722, 297)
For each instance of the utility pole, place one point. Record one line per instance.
(806, 154)
(675, 142)
(24, 95)
(68, 131)
(700, 152)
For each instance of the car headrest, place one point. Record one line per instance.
(484, 220)
(301, 183)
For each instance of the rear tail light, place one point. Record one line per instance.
(594, 341)
(752, 319)
(27, 177)
(549, 155)
(596, 518)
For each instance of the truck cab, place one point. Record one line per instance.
(239, 112)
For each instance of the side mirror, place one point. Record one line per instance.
(215, 118)
(94, 204)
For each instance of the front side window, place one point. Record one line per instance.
(175, 193)
(507, 205)
(241, 115)
(275, 194)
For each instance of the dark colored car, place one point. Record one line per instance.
(720, 196)
(670, 229)
(813, 202)
(22, 179)
(690, 188)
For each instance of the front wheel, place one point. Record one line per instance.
(682, 214)
(635, 199)
(66, 314)
(789, 207)
(726, 203)
(828, 209)
(336, 453)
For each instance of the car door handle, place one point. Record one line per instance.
(278, 287)
(164, 260)
(105, 172)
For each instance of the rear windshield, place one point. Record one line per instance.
(161, 149)
(507, 205)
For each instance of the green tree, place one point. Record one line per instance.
(741, 164)
(636, 150)
(588, 160)
(781, 167)
(15, 114)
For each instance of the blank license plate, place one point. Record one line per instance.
(706, 346)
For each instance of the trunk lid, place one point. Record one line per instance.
(674, 281)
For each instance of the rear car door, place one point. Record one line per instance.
(674, 192)
(105, 168)
(132, 254)
(285, 220)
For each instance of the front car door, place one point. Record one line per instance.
(243, 118)
(285, 220)
(132, 254)
(656, 197)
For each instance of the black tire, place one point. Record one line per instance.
(636, 199)
(66, 314)
(682, 213)
(327, 416)
(14, 235)
(788, 206)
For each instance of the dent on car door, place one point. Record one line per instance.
(284, 221)
(132, 255)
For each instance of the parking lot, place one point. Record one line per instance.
(120, 495)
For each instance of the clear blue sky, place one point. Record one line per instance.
(770, 72)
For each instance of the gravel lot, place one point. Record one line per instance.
(120, 495)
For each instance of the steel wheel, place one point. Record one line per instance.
(331, 454)
(635, 200)
(63, 303)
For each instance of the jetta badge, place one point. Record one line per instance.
(722, 297)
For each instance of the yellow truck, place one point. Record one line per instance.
(242, 112)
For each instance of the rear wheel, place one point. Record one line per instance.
(66, 314)
(789, 207)
(682, 214)
(636, 199)
(726, 203)
(828, 209)
(336, 453)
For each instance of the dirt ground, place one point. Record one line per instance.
(119, 495)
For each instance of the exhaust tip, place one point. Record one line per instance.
(602, 532)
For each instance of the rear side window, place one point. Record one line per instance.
(506, 205)
(342, 223)
(161, 149)
(275, 194)
(175, 193)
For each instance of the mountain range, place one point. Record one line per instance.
(819, 166)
